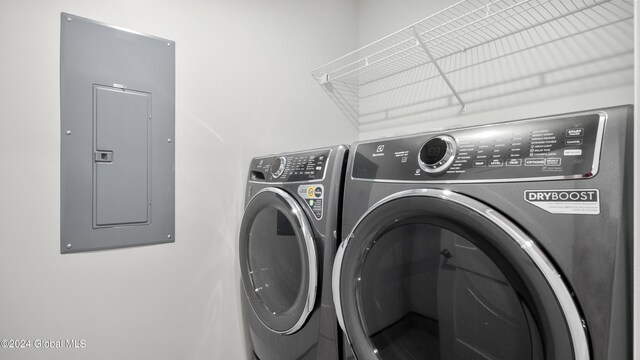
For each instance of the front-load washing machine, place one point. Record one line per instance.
(287, 243)
(510, 241)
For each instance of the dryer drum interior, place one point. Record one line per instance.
(436, 275)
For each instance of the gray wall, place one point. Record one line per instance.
(243, 89)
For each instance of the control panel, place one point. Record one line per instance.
(566, 147)
(296, 167)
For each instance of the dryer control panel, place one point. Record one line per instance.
(296, 167)
(548, 148)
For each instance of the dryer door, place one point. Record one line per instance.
(278, 260)
(431, 274)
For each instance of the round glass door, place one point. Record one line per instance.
(435, 275)
(274, 262)
(278, 260)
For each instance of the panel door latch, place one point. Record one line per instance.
(103, 156)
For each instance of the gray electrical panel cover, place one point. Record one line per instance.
(117, 92)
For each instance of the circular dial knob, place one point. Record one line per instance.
(437, 154)
(277, 166)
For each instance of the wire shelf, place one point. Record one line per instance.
(462, 54)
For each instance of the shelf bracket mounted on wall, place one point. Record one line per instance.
(463, 106)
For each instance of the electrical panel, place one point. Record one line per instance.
(117, 137)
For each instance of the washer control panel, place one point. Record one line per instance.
(296, 167)
(559, 147)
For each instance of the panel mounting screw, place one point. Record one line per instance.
(168, 44)
(169, 236)
(68, 132)
(169, 140)
(68, 19)
(68, 246)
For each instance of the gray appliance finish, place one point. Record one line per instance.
(117, 90)
(288, 239)
(507, 241)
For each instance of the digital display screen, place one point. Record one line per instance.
(275, 165)
(433, 151)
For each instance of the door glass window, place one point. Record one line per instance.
(274, 260)
(429, 293)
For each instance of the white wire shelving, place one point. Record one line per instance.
(476, 51)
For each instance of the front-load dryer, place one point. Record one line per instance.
(510, 241)
(287, 243)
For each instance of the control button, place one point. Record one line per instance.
(481, 157)
(573, 152)
(573, 141)
(553, 162)
(479, 163)
(574, 132)
(496, 162)
(437, 154)
(514, 162)
(318, 192)
(277, 166)
(534, 162)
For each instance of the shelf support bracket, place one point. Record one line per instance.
(324, 79)
(444, 76)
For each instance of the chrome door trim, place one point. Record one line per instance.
(305, 227)
(573, 319)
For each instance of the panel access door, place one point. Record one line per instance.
(122, 157)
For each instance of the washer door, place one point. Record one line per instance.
(278, 261)
(431, 274)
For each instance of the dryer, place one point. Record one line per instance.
(287, 243)
(506, 241)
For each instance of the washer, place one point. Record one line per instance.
(507, 241)
(288, 240)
